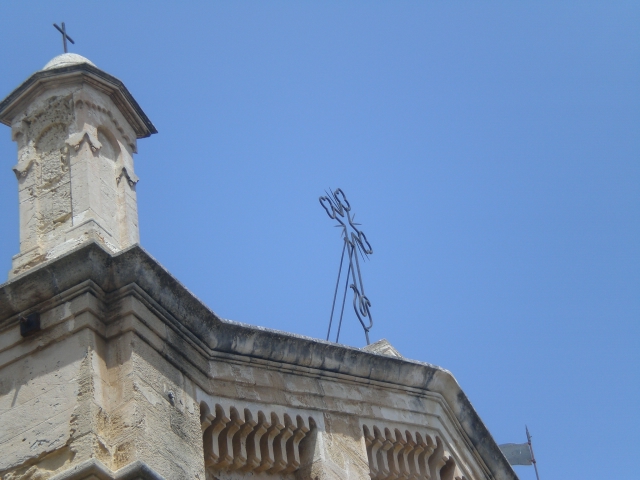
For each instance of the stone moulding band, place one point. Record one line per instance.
(95, 469)
(408, 456)
(247, 440)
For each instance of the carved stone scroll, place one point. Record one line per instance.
(252, 441)
(394, 455)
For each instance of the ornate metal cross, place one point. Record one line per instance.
(355, 242)
(65, 37)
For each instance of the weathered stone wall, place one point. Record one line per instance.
(77, 392)
(131, 373)
(41, 396)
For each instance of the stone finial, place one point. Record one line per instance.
(76, 128)
(382, 347)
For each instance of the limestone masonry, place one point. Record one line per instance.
(111, 369)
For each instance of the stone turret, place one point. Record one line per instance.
(76, 128)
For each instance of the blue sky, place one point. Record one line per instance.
(489, 149)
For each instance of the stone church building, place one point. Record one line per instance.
(111, 369)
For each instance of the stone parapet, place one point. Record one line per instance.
(129, 366)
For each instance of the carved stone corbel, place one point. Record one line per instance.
(252, 442)
(23, 171)
(76, 139)
(397, 456)
(131, 177)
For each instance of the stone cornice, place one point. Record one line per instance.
(218, 337)
(83, 72)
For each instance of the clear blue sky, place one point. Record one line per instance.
(490, 150)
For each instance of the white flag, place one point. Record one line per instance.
(517, 453)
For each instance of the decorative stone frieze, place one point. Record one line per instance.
(251, 440)
(397, 455)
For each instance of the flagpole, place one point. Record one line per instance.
(533, 459)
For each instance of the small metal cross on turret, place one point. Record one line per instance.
(65, 37)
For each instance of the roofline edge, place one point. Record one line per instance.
(147, 129)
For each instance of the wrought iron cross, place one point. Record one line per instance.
(65, 37)
(355, 242)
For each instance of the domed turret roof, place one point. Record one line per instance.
(66, 60)
(68, 69)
